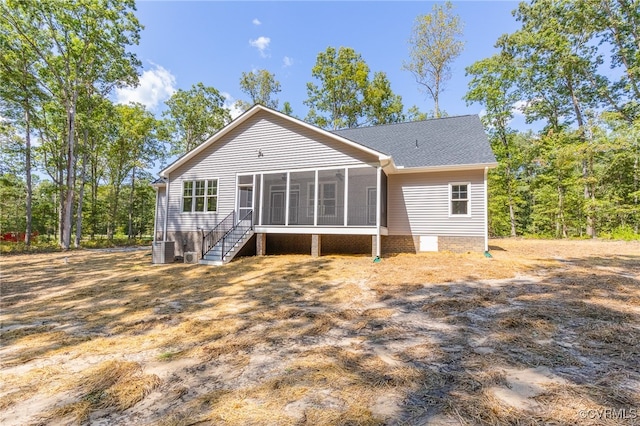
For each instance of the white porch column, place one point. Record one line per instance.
(261, 197)
(346, 196)
(286, 200)
(315, 201)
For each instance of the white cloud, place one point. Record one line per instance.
(154, 86)
(230, 104)
(256, 21)
(518, 107)
(287, 61)
(261, 43)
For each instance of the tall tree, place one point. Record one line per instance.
(262, 88)
(434, 44)
(559, 61)
(343, 77)
(81, 47)
(382, 106)
(493, 84)
(20, 95)
(615, 26)
(345, 97)
(194, 115)
(133, 144)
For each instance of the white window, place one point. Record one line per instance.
(459, 199)
(327, 197)
(200, 195)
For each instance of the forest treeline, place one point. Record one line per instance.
(76, 165)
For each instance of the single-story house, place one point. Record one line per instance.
(270, 183)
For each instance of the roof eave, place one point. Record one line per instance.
(444, 168)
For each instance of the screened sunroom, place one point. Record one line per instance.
(329, 198)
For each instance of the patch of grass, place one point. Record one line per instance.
(116, 385)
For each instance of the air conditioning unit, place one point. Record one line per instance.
(191, 257)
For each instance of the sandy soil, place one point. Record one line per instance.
(543, 332)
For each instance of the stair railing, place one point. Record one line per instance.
(218, 232)
(245, 224)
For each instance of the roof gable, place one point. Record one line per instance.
(252, 112)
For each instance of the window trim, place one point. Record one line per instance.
(321, 197)
(451, 200)
(205, 196)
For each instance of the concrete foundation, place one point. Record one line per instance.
(317, 245)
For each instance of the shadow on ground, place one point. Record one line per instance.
(333, 340)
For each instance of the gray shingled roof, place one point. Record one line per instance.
(440, 142)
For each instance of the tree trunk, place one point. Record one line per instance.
(635, 190)
(114, 213)
(70, 190)
(133, 186)
(94, 198)
(561, 226)
(27, 232)
(76, 243)
(512, 217)
(585, 169)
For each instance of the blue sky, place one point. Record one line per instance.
(213, 42)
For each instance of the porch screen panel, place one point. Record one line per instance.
(331, 197)
(273, 201)
(256, 208)
(362, 197)
(301, 198)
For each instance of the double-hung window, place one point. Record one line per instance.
(459, 199)
(200, 195)
(327, 197)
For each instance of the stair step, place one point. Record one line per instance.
(214, 256)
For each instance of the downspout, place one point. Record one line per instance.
(155, 218)
(378, 211)
(166, 211)
(486, 213)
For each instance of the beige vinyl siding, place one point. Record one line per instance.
(418, 204)
(284, 145)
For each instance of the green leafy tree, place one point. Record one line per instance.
(338, 101)
(287, 109)
(194, 115)
(81, 48)
(345, 97)
(133, 144)
(382, 106)
(435, 43)
(262, 88)
(559, 62)
(493, 82)
(414, 114)
(20, 95)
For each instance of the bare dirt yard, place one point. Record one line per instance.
(544, 332)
